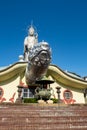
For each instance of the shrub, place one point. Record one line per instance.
(30, 100)
(54, 100)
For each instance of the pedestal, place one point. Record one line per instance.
(58, 92)
(19, 99)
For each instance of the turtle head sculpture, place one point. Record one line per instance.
(39, 59)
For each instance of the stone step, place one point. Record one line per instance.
(43, 113)
(43, 127)
(34, 117)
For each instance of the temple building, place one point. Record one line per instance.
(14, 78)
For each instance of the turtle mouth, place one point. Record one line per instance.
(42, 58)
(43, 55)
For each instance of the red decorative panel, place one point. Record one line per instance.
(23, 85)
(68, 97)
(12, 98)
(2, 99)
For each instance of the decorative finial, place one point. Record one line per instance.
(31, 23)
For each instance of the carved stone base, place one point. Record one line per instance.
(41, 102)
(49, 101)
(19, 100)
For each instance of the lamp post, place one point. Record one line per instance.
(58, 92)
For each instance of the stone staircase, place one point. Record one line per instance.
(43, 117)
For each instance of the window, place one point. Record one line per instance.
(67, 94)
(28, 93)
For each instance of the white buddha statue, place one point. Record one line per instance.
(29, 42)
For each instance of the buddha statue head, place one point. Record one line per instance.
(31, 31)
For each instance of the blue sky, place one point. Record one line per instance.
(61, 23)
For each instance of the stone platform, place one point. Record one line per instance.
(43, 117)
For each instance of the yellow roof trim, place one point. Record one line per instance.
(63, 78)
(12, 70)
(58, 75)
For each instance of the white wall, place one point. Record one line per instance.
(10, 88)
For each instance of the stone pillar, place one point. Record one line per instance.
(85, 95)
(19, 99)
(58, 92)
